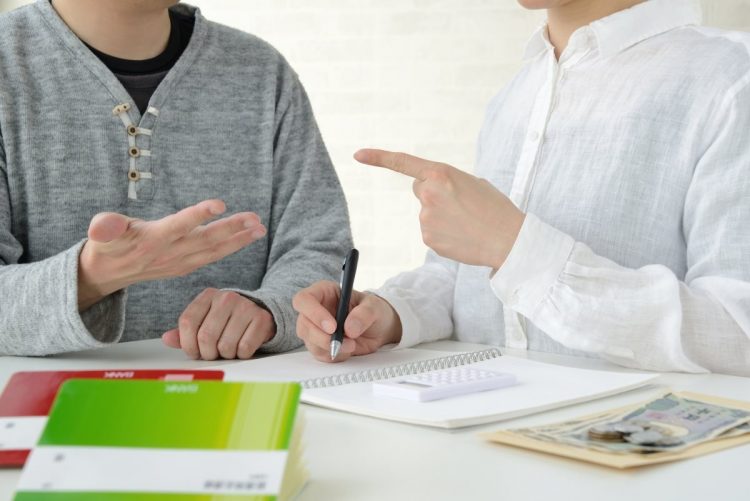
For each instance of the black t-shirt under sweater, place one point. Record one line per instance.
(141, 78)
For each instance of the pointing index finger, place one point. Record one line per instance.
(403, 163)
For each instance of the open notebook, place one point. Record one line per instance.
(348, 386)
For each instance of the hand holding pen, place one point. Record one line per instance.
(371, 321)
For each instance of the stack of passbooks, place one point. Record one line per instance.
(27, 399)
(348, 386)
(179, 438)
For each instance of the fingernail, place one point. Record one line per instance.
(355, 327)
(259, 233)
(215, 210)
(328, 326)
(250, 224)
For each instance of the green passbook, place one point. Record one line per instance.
(172, 441)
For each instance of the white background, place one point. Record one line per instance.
(412, 75)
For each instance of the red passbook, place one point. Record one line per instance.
(28, 397)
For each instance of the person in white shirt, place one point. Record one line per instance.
(625, 233)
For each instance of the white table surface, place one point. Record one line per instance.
(359, 458)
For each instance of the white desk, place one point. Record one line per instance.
(359, 458)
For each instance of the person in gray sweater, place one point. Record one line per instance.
(126, 128)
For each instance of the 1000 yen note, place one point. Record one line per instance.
(666, 424)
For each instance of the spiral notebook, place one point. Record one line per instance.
(348, 386)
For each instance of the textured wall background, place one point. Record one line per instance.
(412, 75)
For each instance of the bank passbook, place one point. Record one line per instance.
(164, 440)
(28, 397)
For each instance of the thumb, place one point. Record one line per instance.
(108, 226)
(171, 338)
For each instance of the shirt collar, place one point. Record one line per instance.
(626, 28)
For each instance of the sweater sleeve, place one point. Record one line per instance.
(39, 301)
(309, 233)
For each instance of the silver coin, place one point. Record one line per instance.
(647, 437)
(669, 441)
(627, 427)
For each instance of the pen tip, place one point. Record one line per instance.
(335, 347)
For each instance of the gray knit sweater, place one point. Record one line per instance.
(229, 121)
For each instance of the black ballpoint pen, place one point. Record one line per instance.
(347, 283)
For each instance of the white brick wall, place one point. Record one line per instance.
(412, 75)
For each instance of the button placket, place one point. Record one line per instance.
(138, 155)
(523, 181)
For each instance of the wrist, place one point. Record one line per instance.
(95, 281)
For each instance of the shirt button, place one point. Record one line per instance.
(132, 130)
(513, 298)
(121, 108)
(534, 136)
(134, 175)
(134, 152)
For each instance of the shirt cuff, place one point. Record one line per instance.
(532, 267)
(410, 327)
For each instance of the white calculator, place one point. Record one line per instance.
(445, 383)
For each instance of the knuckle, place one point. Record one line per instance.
(439, 174)
(247, 345)
(228, 298)
(206, 336)
(247, 307)
(185, 323)
(226, 349)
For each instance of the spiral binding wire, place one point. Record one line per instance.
(401, 370)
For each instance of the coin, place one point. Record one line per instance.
(605, 432)
(648, 437)
(669, 441)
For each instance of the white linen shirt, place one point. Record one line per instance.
(631, 157)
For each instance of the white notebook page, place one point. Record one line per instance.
(541, 387)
